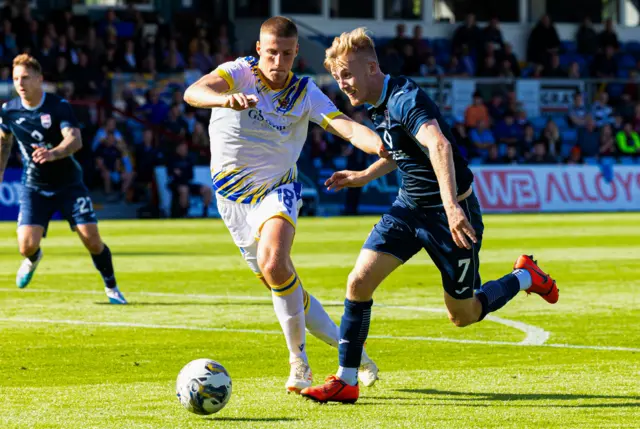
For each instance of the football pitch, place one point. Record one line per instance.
(69, 360)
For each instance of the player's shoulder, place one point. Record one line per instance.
(54, 100)
(13, 104)
(405, 92)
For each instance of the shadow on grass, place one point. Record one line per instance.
(191, 303)
(487, 396)
(252, 419)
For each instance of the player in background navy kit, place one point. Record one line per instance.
(48, 135)
(435, 210)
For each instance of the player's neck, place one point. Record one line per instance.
(274, 86)
(377, 86)
(33, 101)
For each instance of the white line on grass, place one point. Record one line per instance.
(535, 336)
(269, 332)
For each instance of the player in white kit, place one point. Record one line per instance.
(259, 121)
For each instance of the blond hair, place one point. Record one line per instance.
(27, 61)
(355, 41)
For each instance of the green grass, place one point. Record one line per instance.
(188, 280)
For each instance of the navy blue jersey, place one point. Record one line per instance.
(41, 126)
(402, 109)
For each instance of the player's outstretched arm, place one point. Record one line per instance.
(209, 92)
(441, 154)
(6, 142)
(360, 136)
(356, 179)
(70, 144)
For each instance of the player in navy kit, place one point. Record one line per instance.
(47, 133)
(435, 210)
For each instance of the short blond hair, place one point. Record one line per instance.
(355, 41)
(27, 61)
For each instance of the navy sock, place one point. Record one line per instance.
(104, 264)
(354, 329)
(35, 256)
(495, 294)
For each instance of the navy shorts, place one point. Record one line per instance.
(404, 230)
(37, 206)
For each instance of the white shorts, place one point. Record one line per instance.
(245, 221)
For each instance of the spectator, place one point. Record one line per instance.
(493, 35)
(109, 163)
(391, 61)
(607, 142)
(543, 42)
(540, 155)
(129, 59)
(508, 55)
(496, 108)
(493, 157)
(589, 138)
(467, 38)
(155, 110)
(601, 111)
(47, 56)
(574, 71)
(608, 36)
(61, 72)
(618, 123)
(577, 112)
(9, 39)
(431, 68)
(508, 132)
(69, 52)
(628, 141)
(147, 158)
(180, 169)
(174, 122)
(5, 75)
(462, 139)
(302, 67)
(188, 115)
(468, 62)
(126, 174)
(506, 70)
(149, 65)
(319, 148)
(94, 47)
(456, 69)
(528, 139)
(551, 138)
(489, 67)
(401, 39)
(110, 60)
(86, 77)
(200, 142)
(477, 112)
(411, 66)
(108, 127)
(553, 69)
(420, 44)
(636, 118)
(511, 157)
(203, 59)
(173, 52)
(31, 38)
(537, 72)
(605, 65)
(587, 38)
(482, 138)
(575, 156)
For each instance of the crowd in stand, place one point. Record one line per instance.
(122, 150)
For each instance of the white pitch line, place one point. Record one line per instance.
(268, 332)
(533, 334)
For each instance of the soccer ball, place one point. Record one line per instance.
(203, 386)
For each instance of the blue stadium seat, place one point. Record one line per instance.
(632, 47)
(591, 160)
(561, 122)
(538, 122)
(607, 160)
(565, 149)
(569, 135)
(443, 59)
(626, 61)
(441, 46)
(569, 46)
(627, 160)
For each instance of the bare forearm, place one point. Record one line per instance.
(442, 162)
(6, 142)
(67, 147)
(201, 96)
(365, 139)
(379, 168)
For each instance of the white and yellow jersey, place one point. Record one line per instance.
(255, 150)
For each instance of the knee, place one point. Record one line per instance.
(28, 247)
(461, 319)
(358, 289)
(275, 269)
(94, 245)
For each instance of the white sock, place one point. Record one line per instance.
(348, 375)
(524, 278)
(289, 308)
(320, 325)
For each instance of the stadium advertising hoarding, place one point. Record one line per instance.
(10, 194)
(499, 189)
